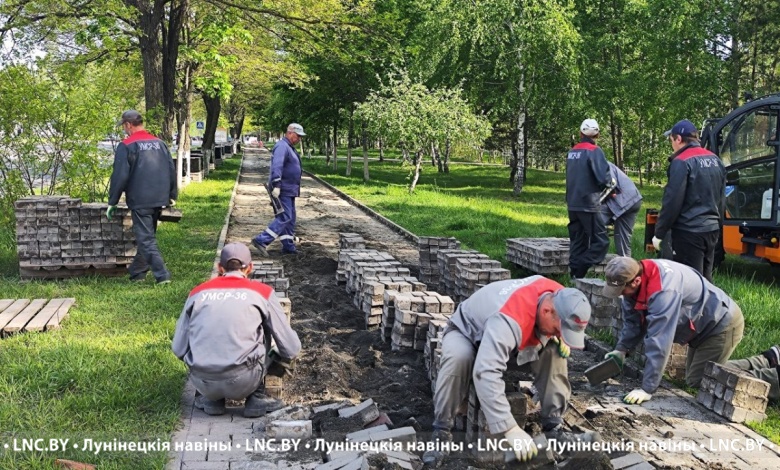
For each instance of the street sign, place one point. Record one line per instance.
(200, 125)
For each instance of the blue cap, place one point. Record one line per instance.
(684, 128)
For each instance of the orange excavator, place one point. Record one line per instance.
(746, 140)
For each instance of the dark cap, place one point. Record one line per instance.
(684, 128)
(132, 116)
(237, 251)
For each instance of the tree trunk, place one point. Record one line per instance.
(433, 155)
(335, 146)
(179, 12)
(381, 149)
(213, 108)
(184, 143)
(439, 160)
(405, 153)
(365, 151)
(417, 161)
(150, 20)
(519, 170)
(447, 148)
(350, 136)
(327, 151)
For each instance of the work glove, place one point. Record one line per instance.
(110, 212)
(657, 243)
(637, 397)
(172, 203)
(276, 192)
(279, 366)
(618, 356)
(563, 349)
(522, 444)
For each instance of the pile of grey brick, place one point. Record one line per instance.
(473, 273)
(59, 236)
(733, 394)
(432, 350)
(544, 255)
(351, 241)
(604, 309)
(272, 274)
(374, 289)
(410, 313)
(447, 262)
(429, 248)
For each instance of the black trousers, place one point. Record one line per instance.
(696, 249)
(589, 241)
(148, 255)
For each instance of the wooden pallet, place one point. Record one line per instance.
(32, 315)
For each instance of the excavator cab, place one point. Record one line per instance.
(746, 140)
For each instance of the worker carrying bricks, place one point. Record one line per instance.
(666, 302)
(764, 366)
(621, 209)
(587, 175)
(536, 319)
(224, 337)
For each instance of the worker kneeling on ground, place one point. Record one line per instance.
(666, 302)
(536, 318)
(764, 366)
(224, 337)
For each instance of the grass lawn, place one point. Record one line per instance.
(475, 205)
(109, 373)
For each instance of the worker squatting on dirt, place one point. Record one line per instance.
(764, 366)
(285, 181)
(694, 201)
(666, 302)
(535, 318)
(224, 337)
(587, 174)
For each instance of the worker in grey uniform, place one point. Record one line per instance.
(621, 209)
(666, 302)
(224, 337)
(587, 175)
(537, 319)
(764, 366)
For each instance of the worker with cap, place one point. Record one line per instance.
(621, 208)
(587, 175)
(536, 319)
(284, 183)
(144, 171)
(665, 302)
(694, 201)
(224, 335)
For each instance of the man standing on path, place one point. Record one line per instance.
(536, 319)
(224, 337)
(665, 302)
(587, 174)
(144, 171)
(284, 183)
(622, 208)
(694, 201)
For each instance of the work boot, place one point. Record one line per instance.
(260, 247)
(258, 404)
(773, 355)
(433, 458)
(560, 434)
(210, 407)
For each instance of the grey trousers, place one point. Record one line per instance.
(758, 367)
(717, 348)
(235, 385)
(148, 255)
(551, 379)
(624, 230)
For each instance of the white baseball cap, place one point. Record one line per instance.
(589, 127)
(297, 128)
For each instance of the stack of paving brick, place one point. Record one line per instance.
(412, 313)
(447, 262)
(605, 310)
(372, 263)
(374, 303)
(351, 241)
(675, 368)
(544, 255)
(733, 394)
(432, 351)
(273, 274)
(477, 429)
(58, 236)
(429, 248)
(471, 274)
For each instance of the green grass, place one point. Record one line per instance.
(109, 372)
(475, 205)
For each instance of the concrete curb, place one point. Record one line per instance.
(370, 212)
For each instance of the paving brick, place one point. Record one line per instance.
(367, 411)
(405, 434)
(365, 434)
(627, 461)
(300, 429)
